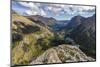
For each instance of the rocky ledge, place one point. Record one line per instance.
(62, 54)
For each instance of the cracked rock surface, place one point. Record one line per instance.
(62, 54)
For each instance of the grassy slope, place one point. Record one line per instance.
(29, 39)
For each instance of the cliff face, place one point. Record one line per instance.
(61, 54)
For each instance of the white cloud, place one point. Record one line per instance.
(78, 10)
(55, 9)
(32, 12)
(33, 9)
(27, 4)
(42, 12)
(28, 12)
(88, 7)
(49, 8)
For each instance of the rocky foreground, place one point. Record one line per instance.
(61, 54)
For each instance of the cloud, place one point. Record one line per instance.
(54, 10)
(29, 12)
(88, 7)
(49, 8)
(26, 4)
(42, 12)
(32, 9)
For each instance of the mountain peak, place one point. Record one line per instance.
(78, 17)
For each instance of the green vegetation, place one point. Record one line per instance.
(58, 40)
(23, 52)
(29, 40)
(31, 47)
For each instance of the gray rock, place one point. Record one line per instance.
(61, 54)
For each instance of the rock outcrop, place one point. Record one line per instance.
(61, 54)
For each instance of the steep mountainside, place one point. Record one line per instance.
(50, 23)
(60, 25)
(47, 21)
(28, 39)
(84, 34)
(73, 23)
(61, 54)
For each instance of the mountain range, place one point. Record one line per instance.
(39, 40)
(84, 33)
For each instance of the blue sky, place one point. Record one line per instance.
(57, 11)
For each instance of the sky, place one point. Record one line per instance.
(57, 11)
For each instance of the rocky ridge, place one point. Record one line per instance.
(61, 54)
